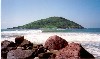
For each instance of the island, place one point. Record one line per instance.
(51, 22)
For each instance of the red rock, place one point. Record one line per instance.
(73, 51)
(55, 42)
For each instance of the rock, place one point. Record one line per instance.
(37, 45)
(55, 42)
(6, 43)
(26, 44)
(85, 54)
(39, 49)
(19, 39)
(19, 54)
(44, 55)
(5, 51)
(73, 51)
(21, 42)
(6, 46)
(58, 48)
(3, 58)
(36, 49)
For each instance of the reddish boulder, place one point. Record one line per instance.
(73, 51)
(55, 42)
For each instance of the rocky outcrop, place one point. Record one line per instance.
(55, 48)
(21, 53)
(26, 44)
(6, 43)
(73, 51)
(38, 49)
(55, 42)
(6, 46)
(21, 42)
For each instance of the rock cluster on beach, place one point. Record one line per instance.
(55, 47)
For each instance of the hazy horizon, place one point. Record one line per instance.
(19, 12)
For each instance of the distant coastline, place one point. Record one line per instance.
(85, 30)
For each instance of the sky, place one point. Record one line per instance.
(19, 12)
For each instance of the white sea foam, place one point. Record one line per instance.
(21, 31)
(10, 35)
(90, 41)
(76, 37)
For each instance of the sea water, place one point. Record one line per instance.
(88, 38)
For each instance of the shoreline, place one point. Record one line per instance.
(86, 39)
(78, 37)
(86, 44)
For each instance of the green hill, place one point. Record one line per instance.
(51, 22)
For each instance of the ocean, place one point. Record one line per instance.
(89, 38)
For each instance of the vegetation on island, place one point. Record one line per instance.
(51, 22)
